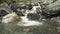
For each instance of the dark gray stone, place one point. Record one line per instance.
(53, 8)
(29, 6)
(33, 16)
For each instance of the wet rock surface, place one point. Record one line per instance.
(33, 16)
(53, 8)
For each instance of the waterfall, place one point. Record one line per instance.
(26, 21)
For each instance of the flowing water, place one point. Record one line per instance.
(27, 22)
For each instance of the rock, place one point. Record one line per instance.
(35, 4)
(4, 6)
(20, 13)
(53, 8)
(3, 13)
(29, 6)
(21, 5)
(33, 16)
(11, 18)
(38, 10)
(15, 6)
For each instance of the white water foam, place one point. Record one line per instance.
(27, 22)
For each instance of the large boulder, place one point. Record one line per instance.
(11, 18)
(53, 8)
